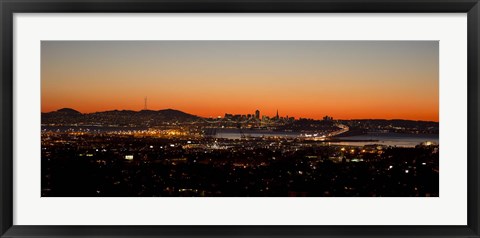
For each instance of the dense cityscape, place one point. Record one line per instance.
(126, 153)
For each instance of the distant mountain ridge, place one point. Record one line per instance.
(155, 117)
(117, 117)
(68, 111)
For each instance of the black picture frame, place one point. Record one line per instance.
(9, 7)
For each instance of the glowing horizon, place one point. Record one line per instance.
(307, 79)
(240, 113)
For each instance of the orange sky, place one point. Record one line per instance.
(343, 79)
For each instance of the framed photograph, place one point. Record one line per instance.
(239, 118)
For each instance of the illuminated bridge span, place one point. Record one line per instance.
(343, 129)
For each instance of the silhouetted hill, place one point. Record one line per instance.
(68, 111)
(116, 117)
(64, 115)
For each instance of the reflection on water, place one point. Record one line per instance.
(388, 139)
(399, 140)
(403, 142)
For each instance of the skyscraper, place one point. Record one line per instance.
(257, 114)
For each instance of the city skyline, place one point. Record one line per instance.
(301, 79)
(251, 113)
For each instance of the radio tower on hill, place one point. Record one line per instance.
(145, 108)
